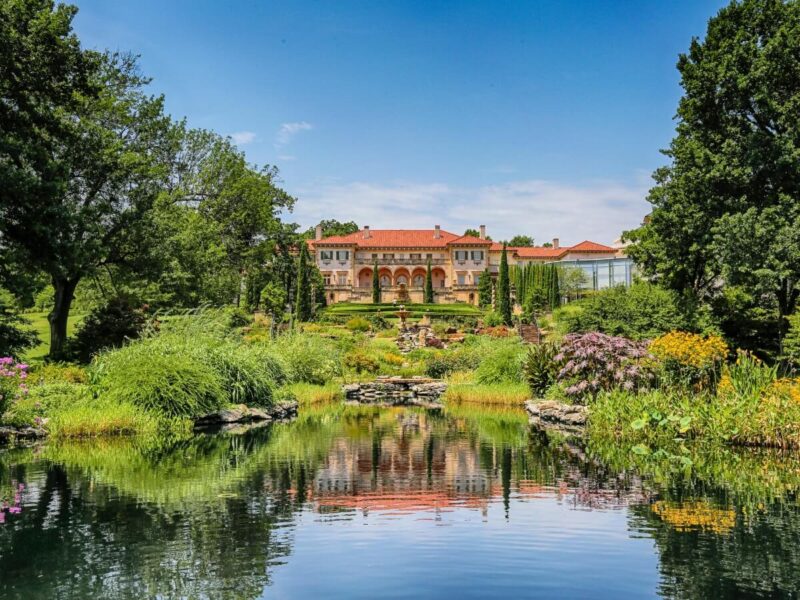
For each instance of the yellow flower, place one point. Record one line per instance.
(690, 349)
(696, 515)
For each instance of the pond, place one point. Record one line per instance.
(351, 502)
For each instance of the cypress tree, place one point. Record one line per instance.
(504, 289)
(376, 284)
(485, 290)
(303, 306)
(429, 285)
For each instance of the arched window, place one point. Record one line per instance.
(401, 280)
(418, 281)
(385, 281)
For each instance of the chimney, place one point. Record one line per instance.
(483, 232)
(366, 232)
(555, 243)
(318, 233)
(437, 232)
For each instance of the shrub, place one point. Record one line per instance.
(492, 319)
(689, 359)
(44, 400)
(641, 311)
(306, 358)
(594, 361)
(502, 365)
(540, 368)
(234, 317)
(361, 362)
(791, 343)
(102, 417)
(379, 322)
(107, 326)
(358, 324)
(14, 338)
(160, 376)
(249, 376)
(12, 381)
(57, 373)
(390, 358)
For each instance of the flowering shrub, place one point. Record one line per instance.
(690, 359)
(592, 362)
(12, 381)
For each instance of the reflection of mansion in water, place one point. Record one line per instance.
(457, 263)
(409, 471)
(415, 469)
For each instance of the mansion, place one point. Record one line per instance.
(457, 263)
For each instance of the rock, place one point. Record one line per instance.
(549, 413)
(246, 414)
(8, 433)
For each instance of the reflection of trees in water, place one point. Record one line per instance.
(757, 557)
(209, 516)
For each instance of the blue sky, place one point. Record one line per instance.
(544, 118)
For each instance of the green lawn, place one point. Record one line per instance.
(40, 325)
(416, 310)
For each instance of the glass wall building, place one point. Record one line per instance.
(602, 273)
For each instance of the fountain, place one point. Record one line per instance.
(403, 315)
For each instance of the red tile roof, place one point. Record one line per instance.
(539, 252)
(400, 238)
(587, 246)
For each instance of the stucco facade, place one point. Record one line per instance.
(402, 255)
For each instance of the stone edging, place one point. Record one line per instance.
(548, 414)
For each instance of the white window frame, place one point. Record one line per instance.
(340, 257)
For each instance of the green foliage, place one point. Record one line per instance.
(378, 322)
(537, 287)
(249, 374)
(303, 308)
(14, 337)
(307, 358)
(331, 227)
(376, 284)
(161, 377)
(428, 291)
(540, 368)
(485, 289)
(521, 241)
(273, 298)
(361, 362)
(507, 393)
(725, 209)
(503, 364)
(791, 344)
(503, 297)
(641, 311)
(108, 326)
(492, 319)
(358, 324)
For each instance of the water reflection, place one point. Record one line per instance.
(470, 501)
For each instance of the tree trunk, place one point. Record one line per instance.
(64, 293)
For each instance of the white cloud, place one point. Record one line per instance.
(288, 130)
(598, 211)
(243, 137)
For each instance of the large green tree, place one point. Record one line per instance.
(726, 210)
(331, 227)
(82, 150)
(503, 295)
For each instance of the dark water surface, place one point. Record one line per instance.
(393, 503)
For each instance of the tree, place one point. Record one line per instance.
(303, 306)
(428, 291)
(791, 347)
(331, 227)
(521, 241)
(503, 300)
(376, 284)
(14, 335)
(726, 210)
(475, 233)
(273, 299)
(485, 290)
(572, 281)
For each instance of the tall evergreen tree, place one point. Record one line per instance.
(303, 306)
(485, 290)
(504, 289)
(429, 284)
(376, 284)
